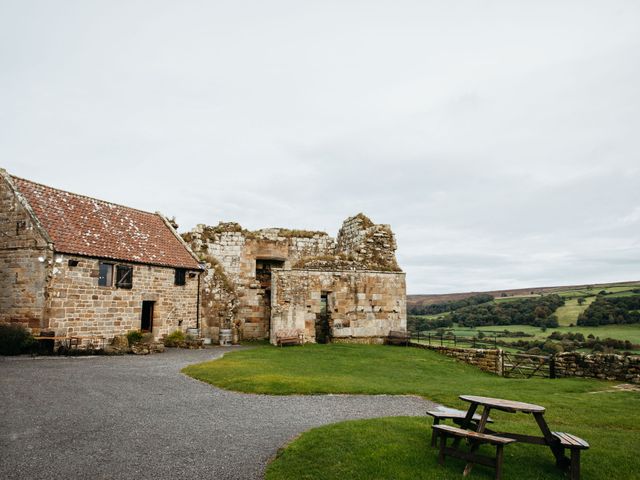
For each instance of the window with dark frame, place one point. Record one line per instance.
(181, 276)
(105, 277)
(124, 276)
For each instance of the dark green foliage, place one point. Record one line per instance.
(134, 336)
(568, 342)
(526, 311)
(174, 339)
(608, 310)
(14, 339)
(419, 324)
(449, 306)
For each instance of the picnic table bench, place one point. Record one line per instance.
(398, 337)
(574, 444)
(556, 441)
(446, 431)
(445, 413)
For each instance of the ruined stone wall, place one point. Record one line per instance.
(362, 246)
(25, 261)
(370, 245)
(78, 306)
(236, 251)
(361, 304)
(604, 366)
(487, 360)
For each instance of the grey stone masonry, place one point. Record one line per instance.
(353, 266)
(26, 260)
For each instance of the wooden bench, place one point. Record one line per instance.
(289, 337)
(397, 337)
(445, 431)
(575, 444)
(446, 413)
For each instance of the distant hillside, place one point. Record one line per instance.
(415, 300)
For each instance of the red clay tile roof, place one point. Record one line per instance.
(95, 228)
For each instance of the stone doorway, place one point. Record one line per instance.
(146, 320)
(263, 276)
(323, 330)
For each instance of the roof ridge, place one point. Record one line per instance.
(82, 195)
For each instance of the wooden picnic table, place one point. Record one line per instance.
(553, 440)
(74, 341)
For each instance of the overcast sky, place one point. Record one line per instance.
(500, 139)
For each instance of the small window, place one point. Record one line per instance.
(105, 279)
(181, 274)
(124, 276)
(21, 225)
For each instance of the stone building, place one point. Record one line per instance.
(271, 280)
(81, 266)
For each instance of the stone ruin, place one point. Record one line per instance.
(261, 282)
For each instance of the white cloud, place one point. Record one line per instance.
(499, 139)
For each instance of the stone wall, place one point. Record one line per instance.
(569, 364)
(78, 306)
(362, 246)
(370, 245)
(360, 304)
(487, 360)
(26, 260)
(237, 250)
(604, 366)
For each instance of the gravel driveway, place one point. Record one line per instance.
(140, 418)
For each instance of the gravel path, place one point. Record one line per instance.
(140, 418)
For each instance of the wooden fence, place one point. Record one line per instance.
(521, 365)
(511, 365)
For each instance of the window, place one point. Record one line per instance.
(105, 279)
(124, 276)
(20, 226)
(180, 278)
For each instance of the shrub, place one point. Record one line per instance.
(14, 339)
(147, 338)
(134, 336)
(174, 339)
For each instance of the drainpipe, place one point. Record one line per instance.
(198, 304)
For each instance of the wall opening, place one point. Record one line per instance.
(146, 320)
(323, 330)
(263, 277)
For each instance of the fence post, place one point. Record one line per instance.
(455, 342)
(441, 337)
(552, 366)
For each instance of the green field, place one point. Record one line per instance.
(621, 332)
(398, 448)
(568, 313)
(629, 332)
(590, 292)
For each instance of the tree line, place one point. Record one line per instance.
(448, 306)
(611, 310)
(526, 311)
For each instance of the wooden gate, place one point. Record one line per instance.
(520, 365)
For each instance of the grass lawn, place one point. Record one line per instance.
(397, 448)
(629, 332)
(568, 313)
